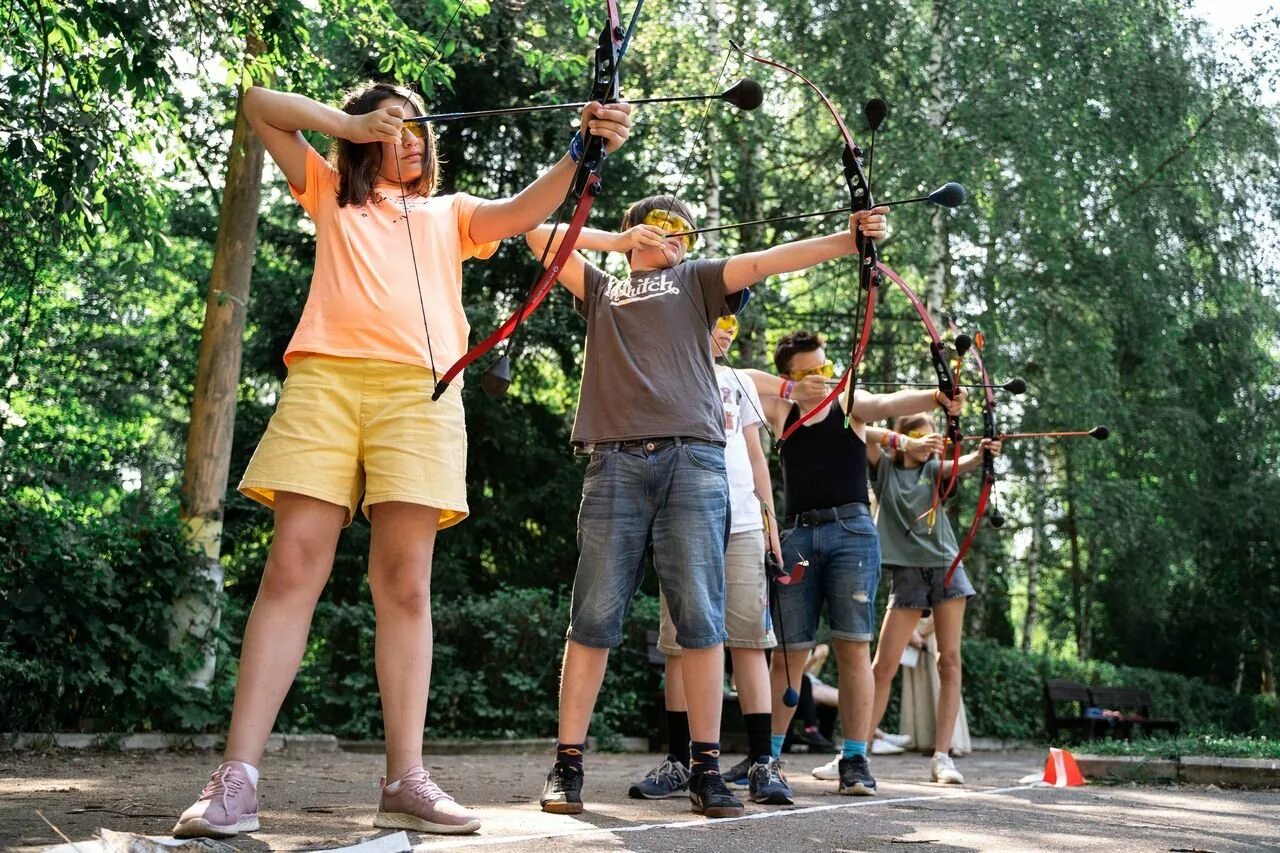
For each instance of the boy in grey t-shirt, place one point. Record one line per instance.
(650, 419)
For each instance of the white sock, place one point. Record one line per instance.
(941, 754)
(251, 772)
(393, 787)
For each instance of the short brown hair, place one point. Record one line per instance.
(637, 212)
(358, 162)
(792, 345)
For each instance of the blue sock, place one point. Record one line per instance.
(775, 744)
(853, 747)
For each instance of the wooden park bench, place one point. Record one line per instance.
(1072, 721)
(1134, 707)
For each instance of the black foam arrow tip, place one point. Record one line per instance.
(950, 194)
(790, 697)
(997, 518)
(745, 94)
(497, 378)
(875, 110)
(1101, 433)
(1016, 385)
(963, 342)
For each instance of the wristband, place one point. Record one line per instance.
(893, 442)
(785, 391)
(937, 400)
(577, 147)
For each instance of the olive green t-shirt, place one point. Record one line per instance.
(905, 495)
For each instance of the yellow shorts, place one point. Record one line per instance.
(347, 426)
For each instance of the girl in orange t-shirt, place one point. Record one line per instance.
(356, 418)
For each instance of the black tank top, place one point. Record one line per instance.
(824, 464)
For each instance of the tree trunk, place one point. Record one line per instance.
(1268, 669)
(213, 406)
(1033, 551)
(711, 195)
(937, 292)
(1079, 589)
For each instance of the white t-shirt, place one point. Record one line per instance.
(742, 410)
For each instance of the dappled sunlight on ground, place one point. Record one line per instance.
(324, 800)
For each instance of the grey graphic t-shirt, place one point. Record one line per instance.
(648, 371)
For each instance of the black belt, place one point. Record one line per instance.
(810, 517)
(649, 444)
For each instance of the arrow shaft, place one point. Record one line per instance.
(920, 385)
(1068, 434)
(542, 108)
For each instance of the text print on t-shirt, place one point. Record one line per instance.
(637, 289)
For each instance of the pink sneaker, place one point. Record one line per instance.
(227, 805)
(418, 804)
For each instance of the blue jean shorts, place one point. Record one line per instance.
(669, 493)
(843, 572)
(921, 588)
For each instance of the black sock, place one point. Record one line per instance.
(570, 754)
(678, 736)
(704, 757)
(759, 728)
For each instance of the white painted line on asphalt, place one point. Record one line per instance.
(709, 823)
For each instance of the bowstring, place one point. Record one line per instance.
(404, 202)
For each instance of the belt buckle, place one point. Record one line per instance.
(810, 517)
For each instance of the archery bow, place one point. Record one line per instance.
(942, 370)
(987, 492)
(859, 199)
(585, 186)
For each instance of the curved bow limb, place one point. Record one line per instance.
(585, 185)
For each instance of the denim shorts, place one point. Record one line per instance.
(920, 588)
(668, 493)
(843, 572)
(746, 598)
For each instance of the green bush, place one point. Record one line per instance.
(86, 601)
(1003, 690)
(496, 670)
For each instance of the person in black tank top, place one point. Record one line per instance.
(828, 530)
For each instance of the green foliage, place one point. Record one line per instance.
(1205, 743)
(86, 603)
(496, 670)
(1119, 253)
(1003, 690)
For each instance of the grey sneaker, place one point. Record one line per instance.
(668, 779)
(738, 774)
(227, 805)
(768, 785)
(418, 804)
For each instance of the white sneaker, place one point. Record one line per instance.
(828, 772)
(879, 746)
(903, 741)
(943, 769)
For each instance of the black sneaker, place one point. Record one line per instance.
(739, 773)
(562, 794)
(711, 797)
(856, 778)
(815, 740)
(768, 785)
(666, 780)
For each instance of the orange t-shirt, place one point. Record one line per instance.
(364, 301)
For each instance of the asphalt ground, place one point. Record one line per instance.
(324, 800)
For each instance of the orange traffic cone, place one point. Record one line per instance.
(1061, 770)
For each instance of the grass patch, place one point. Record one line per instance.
(1207, 743)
